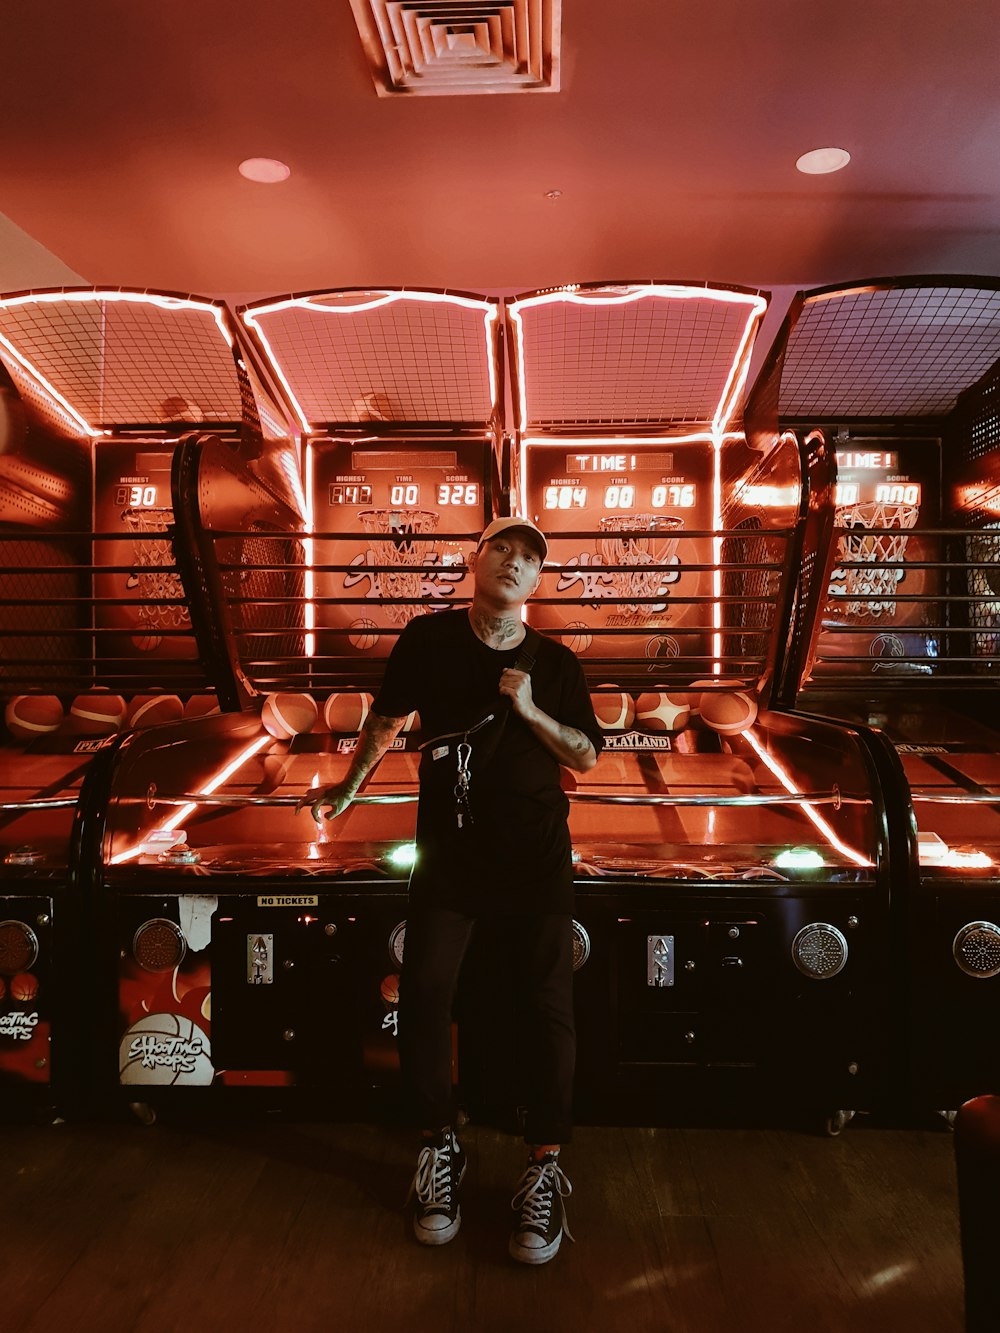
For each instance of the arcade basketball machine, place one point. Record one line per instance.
(300, 929)
(897, 622)
(731, 880)
(98, 387)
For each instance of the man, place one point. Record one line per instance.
(501, 709)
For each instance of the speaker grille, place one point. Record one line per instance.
(819, 950)
(581, 946)
(159, 945)
(397, 941)
(18, 947)
(976, 949)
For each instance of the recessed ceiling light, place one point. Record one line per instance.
(265, 170)
(821, 161)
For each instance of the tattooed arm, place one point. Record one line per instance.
(376, 736)
(567, 744)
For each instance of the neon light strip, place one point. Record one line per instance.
(733, 383)
(717, 557)
(609, 441)
(276, 367)
(811, 814)
(207, 790)
(309, 550)
(287, 460)
(161, 300)
(252, 317)
(64, 408)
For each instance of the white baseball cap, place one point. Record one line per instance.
(512, 525)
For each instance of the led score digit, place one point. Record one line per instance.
(458, 493)
(136, 497)
(674, 496)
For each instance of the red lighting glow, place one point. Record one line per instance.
(813, 815)
(213, 783)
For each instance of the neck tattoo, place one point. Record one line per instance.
(495, 630)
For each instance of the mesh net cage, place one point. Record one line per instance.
(355, 357)
(264, 586)
(975, 440)
(752, 573)
(902, 365)
(41, 637)
(902, 351)
(641, 356)
(120, 358)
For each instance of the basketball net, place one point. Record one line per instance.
(151, 551)
(642, 541)
(393, 578)
(873, 586)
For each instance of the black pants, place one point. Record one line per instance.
(542, 956)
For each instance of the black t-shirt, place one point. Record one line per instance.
(514, 854)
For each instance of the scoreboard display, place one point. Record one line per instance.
(394, 524)
(628, 525)
(136, 588)
(881, 595)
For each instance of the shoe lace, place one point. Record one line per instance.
(541, 1185)
(433, 1177)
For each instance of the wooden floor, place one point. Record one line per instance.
(281, 1226)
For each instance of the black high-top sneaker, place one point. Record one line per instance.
(541, 1222)
(440, 1168)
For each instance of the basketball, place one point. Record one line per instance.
(696, 694)
(23, 987)
(31, 715)
(165, 1049)
(662, 712)
(730, 712)
(347, 712)
(390, 990)
(146, 642)
(614, 712)
(97, 714)
(577, 636)
(363, 635)
(151, 710)
(201, 705)
(285, 715)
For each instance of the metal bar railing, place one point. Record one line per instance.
(833, 797)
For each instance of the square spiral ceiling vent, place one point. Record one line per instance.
(437, 48)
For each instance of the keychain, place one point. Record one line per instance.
(463, 753)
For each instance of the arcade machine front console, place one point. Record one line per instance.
(98, 387)
(731, 886)
(289, 937)
(897, 622)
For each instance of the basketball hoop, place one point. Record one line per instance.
(643, 541)
(393, 583)
(151, 551)
(869, 590)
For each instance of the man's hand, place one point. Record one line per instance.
(566, 744)
(516, 686)
(338, 798)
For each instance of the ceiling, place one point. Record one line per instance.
(672, 141)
